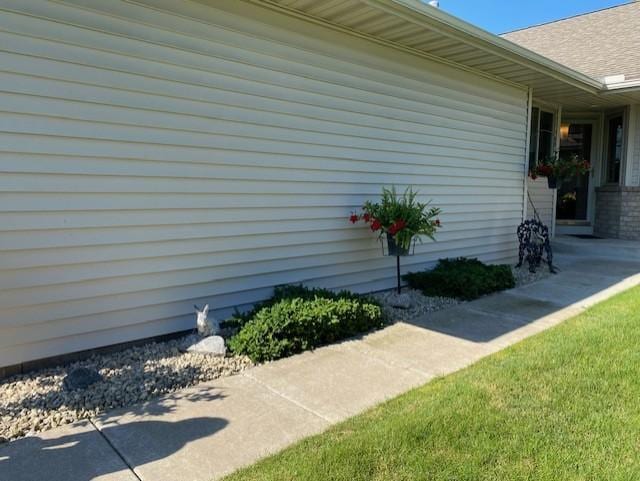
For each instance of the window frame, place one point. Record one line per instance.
(535, 156)
(607, 146)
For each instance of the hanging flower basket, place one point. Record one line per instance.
(560, 169)
(394, 249)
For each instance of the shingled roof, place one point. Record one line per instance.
(598, 44)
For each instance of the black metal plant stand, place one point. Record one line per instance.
(397, 251)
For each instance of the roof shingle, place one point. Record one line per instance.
(598, 44)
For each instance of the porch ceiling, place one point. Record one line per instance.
(427, 31)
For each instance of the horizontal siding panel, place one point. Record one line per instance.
(344, 171)
(16, 145)
(83, 219)
(32, 258)
(34, 201)
(320, 275)
(213, 42)
(17, 279)
(62, 109)
(215, 86)
(95, 236)
(151, 160)
(36, 83)
(127, 184)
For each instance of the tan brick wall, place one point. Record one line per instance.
(618, 212)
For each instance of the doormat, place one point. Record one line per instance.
(585, 236)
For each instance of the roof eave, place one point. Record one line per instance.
(488, 41)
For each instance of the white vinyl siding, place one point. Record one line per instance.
(155, 158)
(541, 197)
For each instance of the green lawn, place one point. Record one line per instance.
(563, 405)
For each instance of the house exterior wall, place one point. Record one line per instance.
(157, 158)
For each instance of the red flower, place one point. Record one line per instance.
(354, 218)
(376, 225)
(397, 226)
(438, 224)
(366, 217)
(545, 170)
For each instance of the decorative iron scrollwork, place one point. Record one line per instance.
(533, 237)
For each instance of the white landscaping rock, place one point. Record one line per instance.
(400, 301)
(411, 304)
(38, 401)
(211, 345)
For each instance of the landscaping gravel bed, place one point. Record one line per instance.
(413, 304)
(38, 401)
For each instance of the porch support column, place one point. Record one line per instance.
(554, 202)
(527, 148)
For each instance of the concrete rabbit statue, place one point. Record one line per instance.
(206, 326)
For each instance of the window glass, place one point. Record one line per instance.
(614, 149)
(541, 142)
(545, 144)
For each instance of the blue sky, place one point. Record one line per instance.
(500, 16)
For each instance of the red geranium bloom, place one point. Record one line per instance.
(366, 217)
(354, 218)
(545, 170)
(438, 222)
(376, 225)
(397, 226)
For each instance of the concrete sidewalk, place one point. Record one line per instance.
(212, 429)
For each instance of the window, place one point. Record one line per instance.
(541, 143)
(614, 149)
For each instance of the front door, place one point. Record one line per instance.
(573, 195)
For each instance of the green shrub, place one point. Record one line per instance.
(290, 291)
(462, 278)
(297, 319)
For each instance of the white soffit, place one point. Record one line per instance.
(424, 30)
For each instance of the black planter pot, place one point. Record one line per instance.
(552, 182)
(394, 249)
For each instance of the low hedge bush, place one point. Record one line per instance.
(297, 319)
(462, 278)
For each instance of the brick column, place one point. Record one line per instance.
(618, 212)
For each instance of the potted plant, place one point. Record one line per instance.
(560, 169)
(401, 220)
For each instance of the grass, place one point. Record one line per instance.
(563, 405)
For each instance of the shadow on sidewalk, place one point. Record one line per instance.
(85, 455)
(491, 317)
